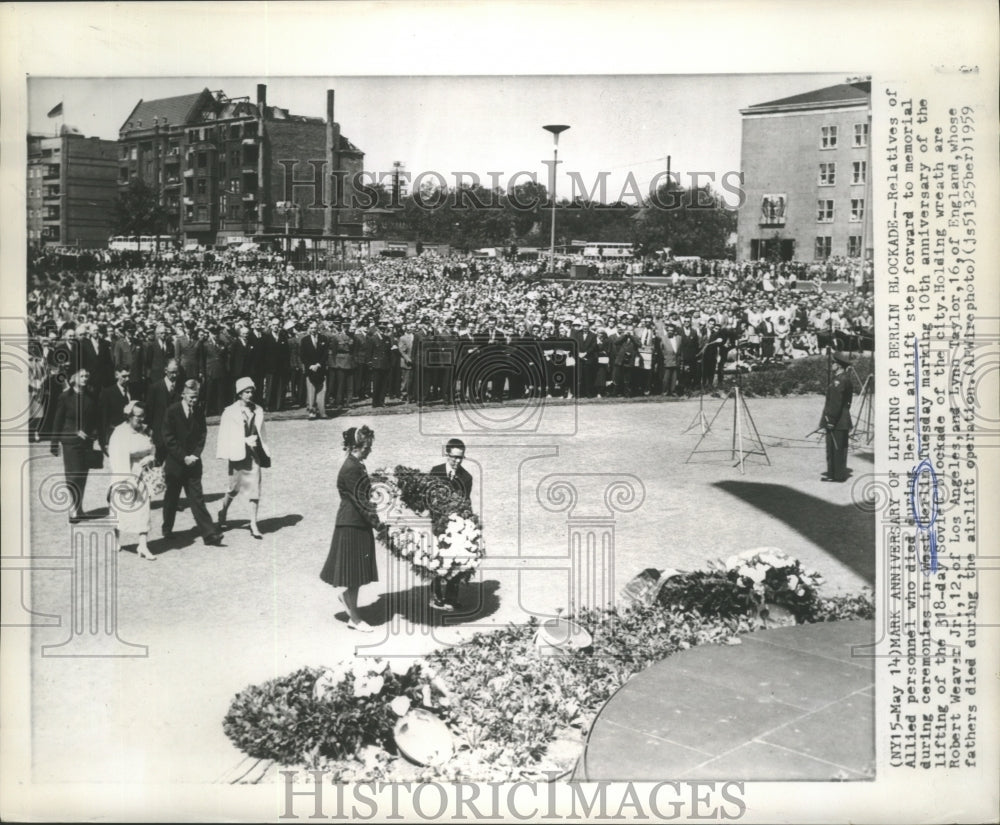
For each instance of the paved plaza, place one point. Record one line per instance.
(214, 619)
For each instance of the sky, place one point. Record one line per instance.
(619, 124)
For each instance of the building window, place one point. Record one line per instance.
(202, 186)
(203, 214)
(772, 210)
(859, 171)
(827, 174)
(202, 160)
(828, 137)
(824, 244)
(824, 211)
(123, 175)
(860, 134)
(854, 246)
(235, 184)
(857, 209)
(189, 213)
(188, 187)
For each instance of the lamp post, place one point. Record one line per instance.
(556, 130)
(287, 208)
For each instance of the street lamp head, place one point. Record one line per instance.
(556, 130)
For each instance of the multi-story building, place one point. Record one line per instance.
(228, 169)
(71, 189)
(806, 162)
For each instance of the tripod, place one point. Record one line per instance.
(742, 420)
(863, 427)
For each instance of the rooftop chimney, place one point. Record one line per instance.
(261, 95)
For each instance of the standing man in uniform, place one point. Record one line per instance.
(836, 419)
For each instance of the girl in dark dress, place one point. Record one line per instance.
(351, 561)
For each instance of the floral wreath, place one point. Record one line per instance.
(457, 548)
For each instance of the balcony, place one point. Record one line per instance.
(50, 192)
(249, 170)
(172, 158)
(189, 173)
(172, 181)
(189, 201)
(51, 172)
(249, 197)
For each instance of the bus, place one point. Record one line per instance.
(141, 243)
(607, 249)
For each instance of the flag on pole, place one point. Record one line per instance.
(56, 110)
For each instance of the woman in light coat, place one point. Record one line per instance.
(130, 452)
(241, 443)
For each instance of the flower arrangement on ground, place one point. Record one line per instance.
(318, 714)
(457, 547)
(512, 712)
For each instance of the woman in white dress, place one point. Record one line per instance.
(130, 451)
(241, 443)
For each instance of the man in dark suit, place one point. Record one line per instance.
(95, 357)
(378, 357)
(836, 419)
(184, 433)
(76, 426)
(626, 350)
(243, 355)
(274, 365)
(690, 353)
(159, 353)
(586, 346)
(459, 481)
(212, 370)
(112, 405)
(186, 350)
(313, 350)
(160, 397)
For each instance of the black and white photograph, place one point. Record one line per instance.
(487, 440)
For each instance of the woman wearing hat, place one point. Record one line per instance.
(241, 442)
(351, 561)
(130, 452)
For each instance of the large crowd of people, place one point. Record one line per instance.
(422, 330)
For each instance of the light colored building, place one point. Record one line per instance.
(71, 189)
(806, 162)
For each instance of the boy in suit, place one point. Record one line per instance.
(452, 473)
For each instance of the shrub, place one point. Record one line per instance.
(797, 377)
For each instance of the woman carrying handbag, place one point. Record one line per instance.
(241, 443)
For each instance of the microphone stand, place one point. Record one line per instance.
(700, 417)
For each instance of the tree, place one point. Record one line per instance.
(694, 221)
(138, 211)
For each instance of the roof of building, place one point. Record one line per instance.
(171, 111)
(841, 94)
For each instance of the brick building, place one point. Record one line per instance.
(71, 186)
(231, 169)
(806, 162)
